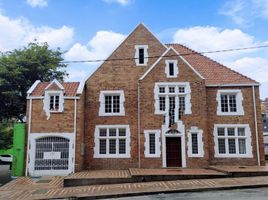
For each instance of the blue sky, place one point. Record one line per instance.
(91, 29)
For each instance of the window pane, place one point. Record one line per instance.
(141, 56)
(242, 146)
(171, 111)
(194, 143)
(161, 89)
(232, 103)
(221, 144)
(116, 104)
(152, 143)
(162, 103)
(231, 143)
(231, 131)
(171, 69)
(122, 132)
(171, 89)
(122, 146)
(112, 132)
(102, 146)
(181, 89)
(108, 104)
(51, 104)
(103, 132)
(57, 98)
(220, 131)
(112, 146)
(224, 103)
(241, 131)
(182, 103)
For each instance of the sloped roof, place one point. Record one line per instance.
(213, 72)
(70, 88)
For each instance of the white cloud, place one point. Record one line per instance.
(37, 3)
(121, 2)
(18, 32)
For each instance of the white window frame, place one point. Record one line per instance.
(176, 70)
(147, 153)
(107, 155)
(237, 155)
(46, 101)
(199, 133)
(102, 102)
(137, 47)
(239, 99)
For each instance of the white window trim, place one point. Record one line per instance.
(239, 99)
(145, 47)
(96, 140)
(187, 93)
(147, 143)
(237, 155)
(199, 133)
(176, 70)
(46, 102)
(102, 102)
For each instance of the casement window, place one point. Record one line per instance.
(112, 103)
(171, 69)
(141, 55)
(172, 99)
(112, 141)
(54, 102)
(195, 142)
(232, 140)
(229, 102)
(152, 143)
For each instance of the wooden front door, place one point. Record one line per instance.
(173, 151)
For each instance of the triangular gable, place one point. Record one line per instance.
(54, 85)
(162, 56)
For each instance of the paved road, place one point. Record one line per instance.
(4, 174)
(243, 194)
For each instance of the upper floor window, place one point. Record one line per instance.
(171, 69)
(141, 55)
(112, 103)
(229, 102)
(54, 102)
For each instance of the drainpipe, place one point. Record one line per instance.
(28, 137)
(256, 125)
(139, 137)
(75, 129)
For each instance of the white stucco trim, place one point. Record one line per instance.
(237, 155)
(46, 102)
(239, 99)
(32, 149)
(102, 102)
(57, 83)
(145, 47)
(147, 143)
(199, 132)
(176, 69)
(117, 155)
(29, 92)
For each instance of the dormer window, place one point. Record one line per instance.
(171, 69)
(141, 55)
(54, 102)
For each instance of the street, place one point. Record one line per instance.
(5, 174)
(241, 194)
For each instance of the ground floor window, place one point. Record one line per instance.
(195, 142)
(232, 140)
(112, 141)
(152, 143)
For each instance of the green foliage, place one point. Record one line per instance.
(19, 69)
(6, 135)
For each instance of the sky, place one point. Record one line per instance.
(92, 29)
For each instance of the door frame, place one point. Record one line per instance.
(31, 153)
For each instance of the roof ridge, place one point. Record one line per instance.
(216, 62)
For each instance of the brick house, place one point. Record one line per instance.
(168, 107)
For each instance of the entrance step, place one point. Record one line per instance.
(132, 175)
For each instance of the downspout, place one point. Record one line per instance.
(139, 137)
(75, 110)
(28, 138)
(256, 126)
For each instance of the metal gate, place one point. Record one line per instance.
(51, 154)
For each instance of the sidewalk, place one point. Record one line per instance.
(52, 187)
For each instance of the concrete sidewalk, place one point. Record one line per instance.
(52, 187)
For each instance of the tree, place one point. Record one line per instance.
(19, 69)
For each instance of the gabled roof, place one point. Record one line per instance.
(70, 88)
(213, 72)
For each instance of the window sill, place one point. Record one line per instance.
(230, 113)
(152, 156)
(233, 156)
(112, 156)
(111, 114)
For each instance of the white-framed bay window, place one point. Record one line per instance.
(112, 141)
(112, 103)
(232, 140)
(152, 143)
(195, 142)
(229, 102)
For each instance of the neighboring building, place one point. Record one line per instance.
(168, 107)
(264, 110)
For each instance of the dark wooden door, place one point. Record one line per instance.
(173, 151)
